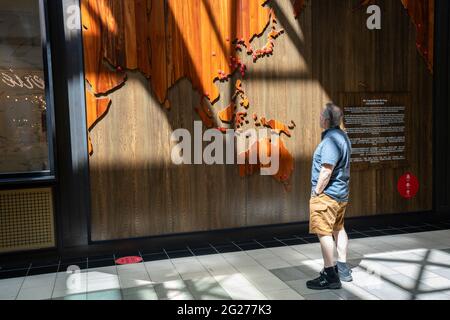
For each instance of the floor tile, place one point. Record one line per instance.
(140, 293)
(93, 264)
(207, 289)
(227, 248)
(131, 268)
(284, 294)
(416, 272)
(172, 290)
(189, 267)
(241, 261)
(75, 260)
(179, 254)
(101, 257)
(233, 281)
(13, 274)
(159, 265)
(221, 270)
(105, 295)
(245, 293)
(271, 243)
(43, 270)
(351, 291)
(154, 257)
(274, 263)
(204, 251)
(254, 272)
(269, 283)
(35, 293)
(39, 281)
(289, 274)
(127, 254)
(250, 245)
(440, 271)
(135, 281)
(309, 270)
(195, 275)
(151, 251)
(385, 266)
(10, 287)
(433, 296)
(312, 239)
(391, 292)
(438, 283)
(288, 253)
(63, 267)
(45, 263)
(103, 284)
(325, 295)
(14, 266)
(102, 273)
(300, 287)
(77, 297)
(291, 242)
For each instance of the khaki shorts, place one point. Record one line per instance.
(326, 215)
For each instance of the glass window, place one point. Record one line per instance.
(24, 134)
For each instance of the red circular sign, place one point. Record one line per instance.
(408, 186)
(129, 260)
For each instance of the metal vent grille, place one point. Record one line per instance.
(26, 220)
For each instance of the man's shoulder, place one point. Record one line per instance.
(337, 135)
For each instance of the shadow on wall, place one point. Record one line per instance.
(137, 191)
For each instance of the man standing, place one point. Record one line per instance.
(330, 193)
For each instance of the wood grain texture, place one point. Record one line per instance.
(170, 40)
(421, 13)
(98, 107)
(298, 6)
(137, 191)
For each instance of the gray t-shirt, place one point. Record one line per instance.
(335, 150)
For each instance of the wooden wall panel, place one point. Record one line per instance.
(137, 191)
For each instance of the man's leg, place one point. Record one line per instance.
(327, 245)
(328, 279)
(341, 239)
(322, 220)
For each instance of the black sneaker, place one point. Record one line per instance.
(324, 282)
(345, 273)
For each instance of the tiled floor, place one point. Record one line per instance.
(391, 266)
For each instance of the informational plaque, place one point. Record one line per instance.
(377, 125)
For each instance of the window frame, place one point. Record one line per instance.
(50, 174)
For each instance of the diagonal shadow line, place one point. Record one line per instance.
(407, 261)
(219, 37)
(198, 294)
(278, 76)
(205, 291)
(414, 292)
(420, 275)
(424, 263)
(289, 28)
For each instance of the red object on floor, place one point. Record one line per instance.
(408, 186)
(129, 260)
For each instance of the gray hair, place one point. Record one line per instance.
(334, 114)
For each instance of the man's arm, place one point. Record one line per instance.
(324, 178)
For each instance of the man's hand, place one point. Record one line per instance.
(324, 178)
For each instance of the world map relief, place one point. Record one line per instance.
(201, 40)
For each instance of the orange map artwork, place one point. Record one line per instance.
(170, 40)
